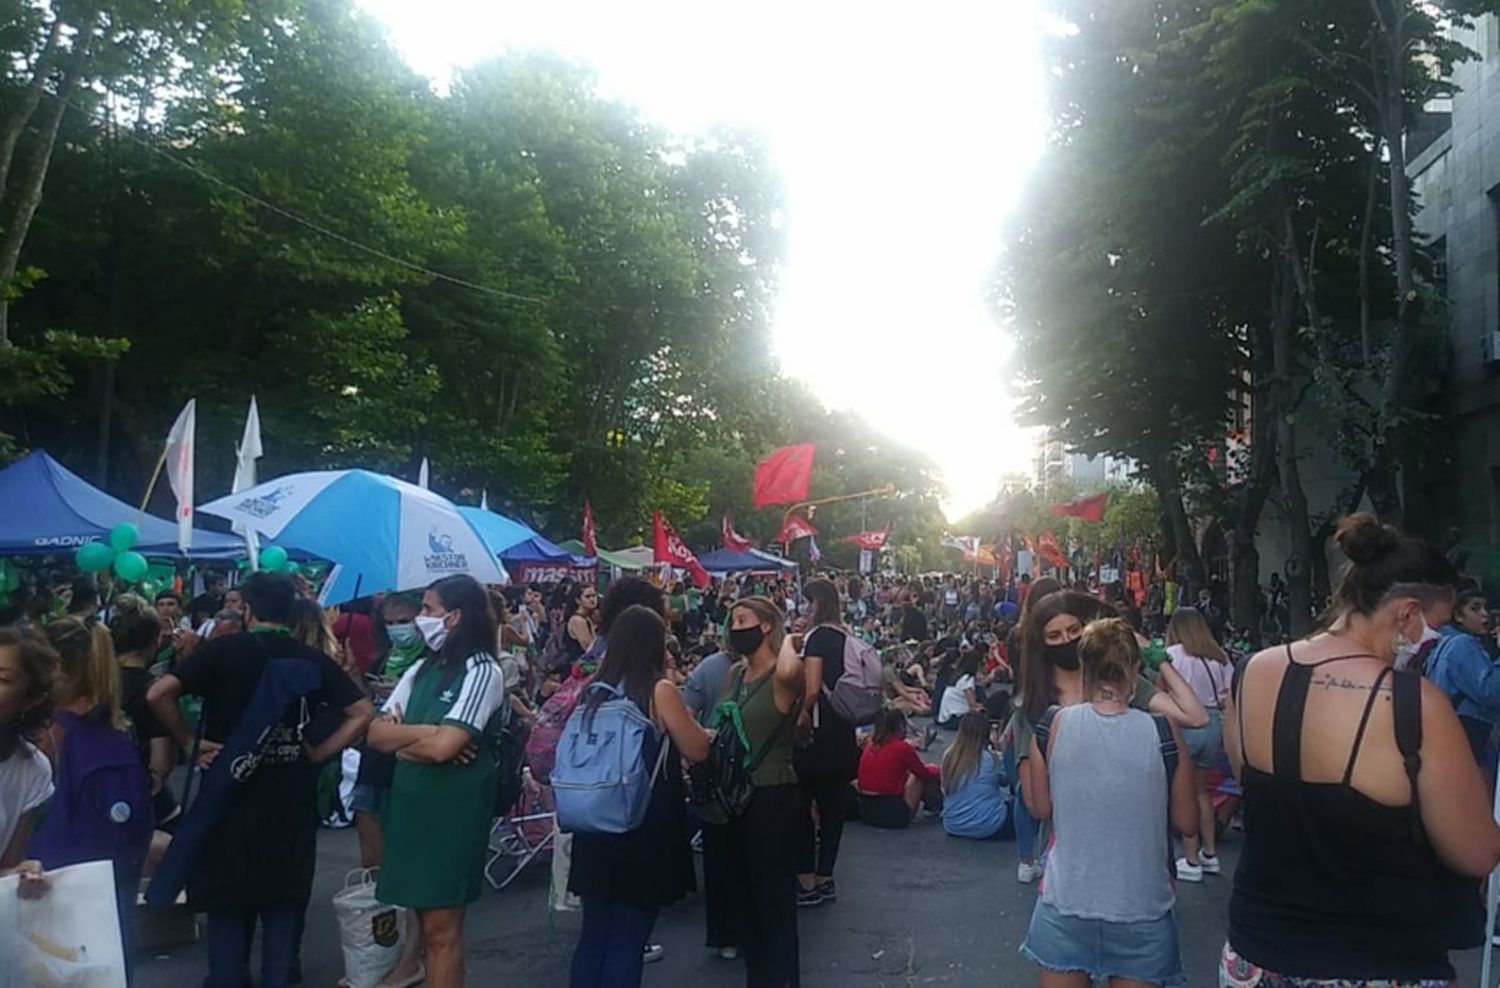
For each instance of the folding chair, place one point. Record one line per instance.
(523, 834)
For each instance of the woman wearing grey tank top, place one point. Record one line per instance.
(1110, 779)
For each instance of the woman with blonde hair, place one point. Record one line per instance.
(976, 799)
(1197, 657)
(1108, 776)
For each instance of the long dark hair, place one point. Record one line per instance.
(824, 597)
(890, 725)
(1038, 685)
(476, 631)
(39, 663)
(634, 660)
(624, 593)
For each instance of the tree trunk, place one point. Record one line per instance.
(15, 122)
(1294, 499)
(1391, 57)
(1168, 483)
(1250, 501)
(28, 195)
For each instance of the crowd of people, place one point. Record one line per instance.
(1114, 741)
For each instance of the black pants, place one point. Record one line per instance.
(819, 850)
(769, 849)
(725, 881)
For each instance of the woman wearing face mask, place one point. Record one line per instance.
(1367, 824)
(28, 666)
(754, 858)
(443, 792)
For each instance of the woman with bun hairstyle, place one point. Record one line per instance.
(1112, 780)
(1367, 824)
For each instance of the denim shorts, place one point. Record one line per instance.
(368, 798)
(1145, 951)
(1205, 743)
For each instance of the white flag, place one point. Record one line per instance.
(422, 474)
(484, 500)
(246, 454)
(180, 469)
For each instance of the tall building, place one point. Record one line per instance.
(1454, 160)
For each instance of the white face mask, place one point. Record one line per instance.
(434, 630)
(1407, 650)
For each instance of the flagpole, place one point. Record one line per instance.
(161, 461)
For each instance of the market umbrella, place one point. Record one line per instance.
(381, 533)
(516, 542)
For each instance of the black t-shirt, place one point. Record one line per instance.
(264, 850)
(203, 607)
(913, 625)
(144, 727)
(832, 750)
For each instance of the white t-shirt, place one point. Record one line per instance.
(25, 784)
(955, 704)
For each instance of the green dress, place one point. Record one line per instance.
(438, 822)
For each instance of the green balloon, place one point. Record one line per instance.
(94, 556)
(124, 536)
(131, 566)
(273, 558)
(291, 568)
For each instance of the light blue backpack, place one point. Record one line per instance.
(601, 783)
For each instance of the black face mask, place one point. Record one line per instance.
(1064, 656)
(744, 641)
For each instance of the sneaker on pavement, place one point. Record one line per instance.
(653, 953)
(1028, 872)
(1210, 864)
(810, 897)
(729, 953)
(1187, 872)
(829, 890)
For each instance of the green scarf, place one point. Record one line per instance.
(403, 657)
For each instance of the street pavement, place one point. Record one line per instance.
(915, 907)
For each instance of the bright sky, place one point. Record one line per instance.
(903, 137)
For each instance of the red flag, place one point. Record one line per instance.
(734, 541)
(590, 547)
(1048, 549)
(796, 527)
(1090, 509)
(671, 549)
(868, 540)
(783, 476)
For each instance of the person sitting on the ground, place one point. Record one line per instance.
(893, 780)
(898, 693)
(962, 695)
(976, 799)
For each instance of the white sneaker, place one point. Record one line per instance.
(729, 953)
(1210, 864)
(1188, 872)
(1028, 872)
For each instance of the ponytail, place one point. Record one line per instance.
(1109, 654)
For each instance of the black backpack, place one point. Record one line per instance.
(721, 786)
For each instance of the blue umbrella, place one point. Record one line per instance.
(382, 533)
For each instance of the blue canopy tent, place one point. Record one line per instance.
(723, 560)
(45, 509)
(515, 542)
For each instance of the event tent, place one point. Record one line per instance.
(47, 509)
(750, 561)
(635, 558)
(516, 542)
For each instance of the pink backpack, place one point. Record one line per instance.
(541, 746)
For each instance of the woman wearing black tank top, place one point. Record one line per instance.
(1367, 825)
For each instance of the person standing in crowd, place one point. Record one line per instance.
(28, 667)
(624, 879)
(1464, 669)
(1111, 780)
(760, 851)
(893, 780)
(1367, 824)
(578, 623)
(95, 760)
(255, 853)
(169, 606)
(442, 796)
(354, 630)
(210, 601)
(976, 799)
(1198, 658)
(136, 631)
(826, 763)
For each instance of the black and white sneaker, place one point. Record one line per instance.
(829, 890)
(807, 898)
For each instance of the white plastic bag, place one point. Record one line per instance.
(69, 938)
(370, 931)
(559, 898)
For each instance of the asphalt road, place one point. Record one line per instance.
(915, 907)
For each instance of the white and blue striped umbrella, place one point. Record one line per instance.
(382, 533)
